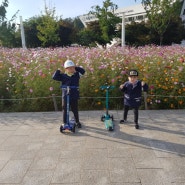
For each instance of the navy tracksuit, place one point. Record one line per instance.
(132, 98)
(74, 92)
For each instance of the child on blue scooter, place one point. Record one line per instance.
(70, 77)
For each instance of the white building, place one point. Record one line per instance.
(135, 13)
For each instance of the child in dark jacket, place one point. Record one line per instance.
(71, 78)
(132, 90)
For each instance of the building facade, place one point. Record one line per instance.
(135, 13)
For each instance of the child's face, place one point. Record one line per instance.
(70, 70)
(132, 79)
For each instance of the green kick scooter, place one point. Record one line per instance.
(107, 118)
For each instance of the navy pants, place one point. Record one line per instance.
(73, 106)
(136, 113)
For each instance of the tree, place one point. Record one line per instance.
(86, 37)
(30, 29)
(7, 28)
(175, 32)
(3, 11)
(90, 35)
(137, 34)
(65, 32)
(107, 20)
(159, 14)
(48, 28)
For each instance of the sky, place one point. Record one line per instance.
(63, 8)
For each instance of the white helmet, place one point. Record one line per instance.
(68, 63)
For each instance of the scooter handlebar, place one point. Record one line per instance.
(68, 86)
(107, 87)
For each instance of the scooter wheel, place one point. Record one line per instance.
(111, 129)
(102, 118)
(61, 128)
(112, 117)
(73, 129)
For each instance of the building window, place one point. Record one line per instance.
(126, 20)
(140, 17)
(130, 19)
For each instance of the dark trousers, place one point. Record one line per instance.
(136, 113)
(73, 106)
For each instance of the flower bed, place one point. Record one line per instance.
(27, 85)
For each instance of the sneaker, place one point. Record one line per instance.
(137, 126)
(79, 125)
(122, 121)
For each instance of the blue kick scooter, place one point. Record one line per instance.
(107, 118)
(70, 125)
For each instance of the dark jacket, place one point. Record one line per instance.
(133, 93)
(69, 81)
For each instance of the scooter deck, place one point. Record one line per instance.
(68, 128)
(109, 124)
(108, 121)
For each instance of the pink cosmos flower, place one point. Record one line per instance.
(123, 72)
(158, 101)
(51, 88)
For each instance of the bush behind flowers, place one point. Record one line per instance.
(27, 84)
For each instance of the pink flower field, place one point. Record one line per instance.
(27, 85)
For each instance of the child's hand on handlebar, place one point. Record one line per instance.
(121, 86)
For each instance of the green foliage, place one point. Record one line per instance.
(7, 28)
(30, 29)
(85, 37)
(65, 32)
(7, 31)
(3, 7)
(175, 32)
(3, 11)
(48, 28)
(140, 34)
(91, 35)
(137, 34)
(107, 20)
(159, 14)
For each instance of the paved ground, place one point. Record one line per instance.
(34, 152)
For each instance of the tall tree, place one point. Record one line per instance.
(30, 28)
(3, 7)
(48, 28)
(137, 34)
(7, 27)
(90, 35)
(175, 32)
(107, 20)
(65, 32)
(159, 14)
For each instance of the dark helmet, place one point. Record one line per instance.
(133, 73)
